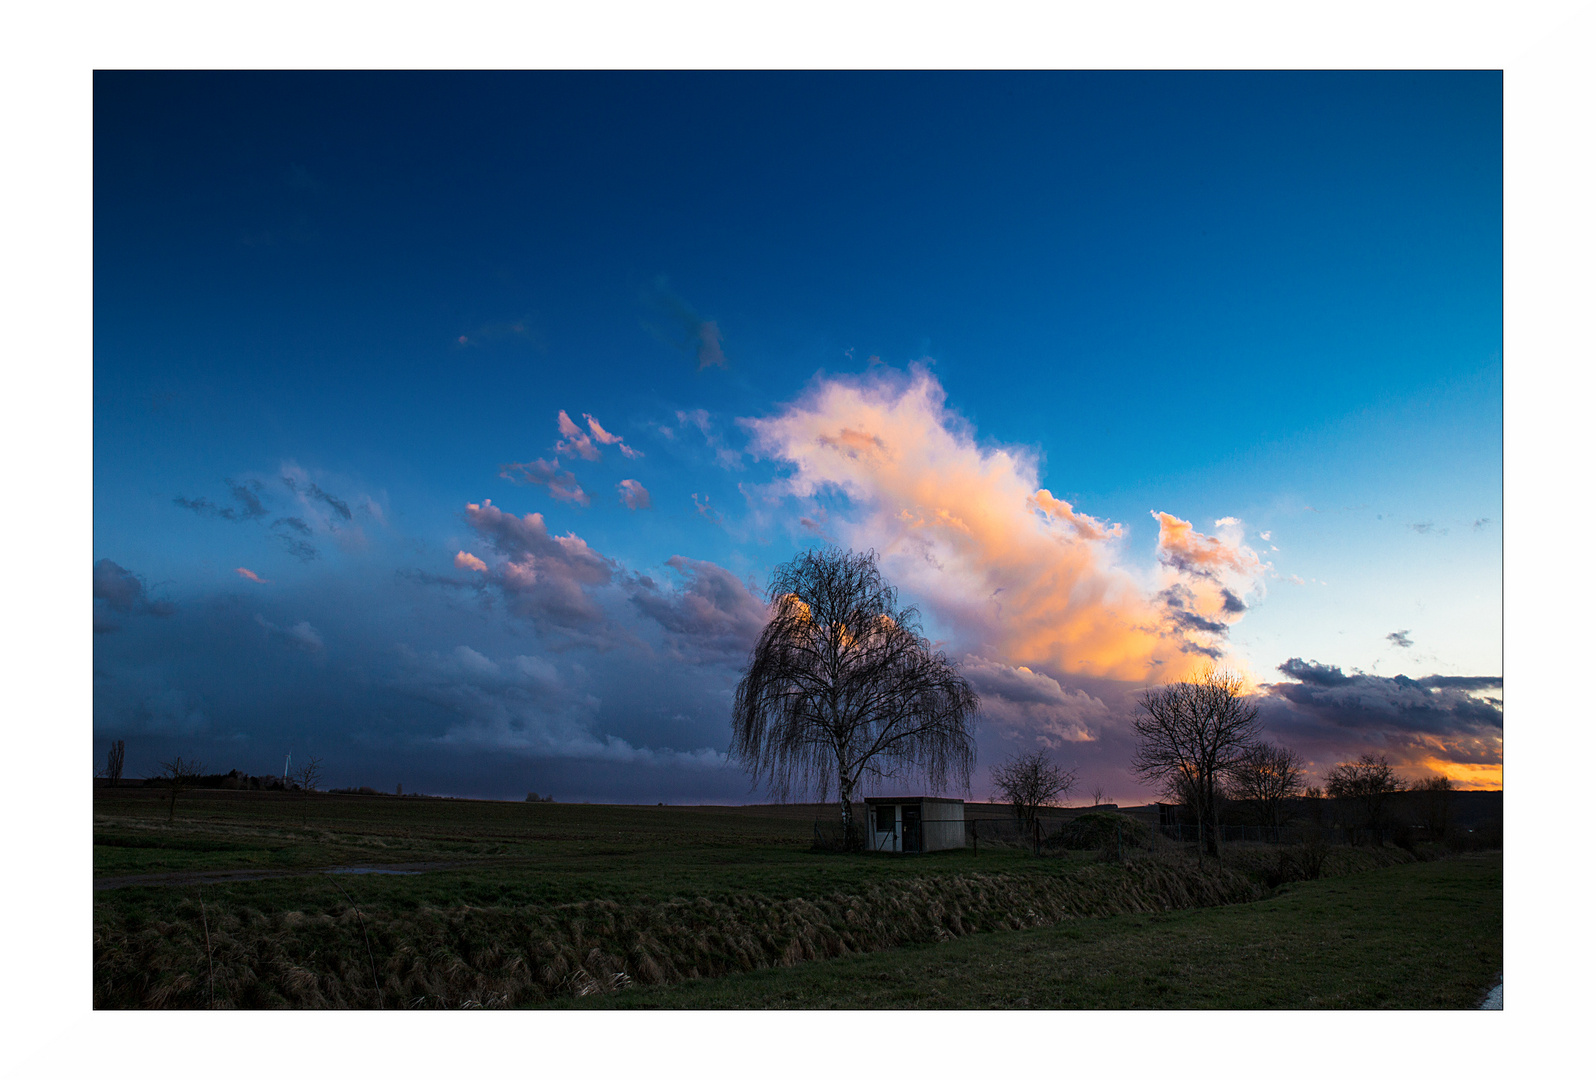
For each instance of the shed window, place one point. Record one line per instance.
(886, 818)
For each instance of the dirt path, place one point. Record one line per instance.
(217, 877)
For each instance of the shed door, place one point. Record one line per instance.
(911, 828)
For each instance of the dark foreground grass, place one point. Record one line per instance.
(1417, 936)
(528, 903)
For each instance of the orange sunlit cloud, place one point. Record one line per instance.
(464, 560)
(970, 529)
(252, 576)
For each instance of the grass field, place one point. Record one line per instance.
(539, 903)
(1419, 936)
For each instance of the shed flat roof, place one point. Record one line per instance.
(908, 798)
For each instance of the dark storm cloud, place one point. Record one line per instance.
(712, 617)
(1233, 603)
(124, 592)
(388, 685)
(1434, 705)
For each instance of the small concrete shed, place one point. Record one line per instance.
(914, 823)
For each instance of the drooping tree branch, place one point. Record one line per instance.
(841, 685)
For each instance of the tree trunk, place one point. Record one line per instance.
(1211, 812)
(850, 838)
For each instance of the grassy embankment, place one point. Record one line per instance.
(547, 901)
(1418, 936)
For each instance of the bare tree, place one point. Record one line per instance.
(1029, 782)
(113, 762)
(308, 775)
(1437, 805)
(1097, 795)
(1369, 784)
(1268, 776)
(841, 685)
(178, 774)
(1193, 734)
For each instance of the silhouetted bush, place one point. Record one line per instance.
(1099, 829)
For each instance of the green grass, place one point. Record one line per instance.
(548, 901)
(1417, 936)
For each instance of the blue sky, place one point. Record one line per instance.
(1272, 301)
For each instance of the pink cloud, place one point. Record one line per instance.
(634, 495)
(1089, 528)
(561, 483)
(609, 439)
(545, 578)
(968, 530)
(251, 575)
(575, 441)
(1180, 546)
(464, 560)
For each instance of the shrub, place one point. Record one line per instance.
(1097, 829)
(1309, 856)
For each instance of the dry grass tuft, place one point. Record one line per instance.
(485, 957)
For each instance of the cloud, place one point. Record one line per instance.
(123, 591)
(1400, 639)
(302, 550)
(251, 576)
(1033, 704)
(309, 490)
(1088, 528)
(687, 331)
(246, 497)
(968, 529)
(725, 456)
(817, 525)
(701, 504)
(634, 496)
(1435, 723)
(301, 636)
(545, 578)
(711, 616)
(1189, 551)
(464, 560)
(524, 706)
(1424, 528)
(422, 577)
(562, 484)
(575, 441)
(607, 439)
(145, 705)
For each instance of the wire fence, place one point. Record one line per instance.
(1283, 834)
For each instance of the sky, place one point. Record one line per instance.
(447, 427)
